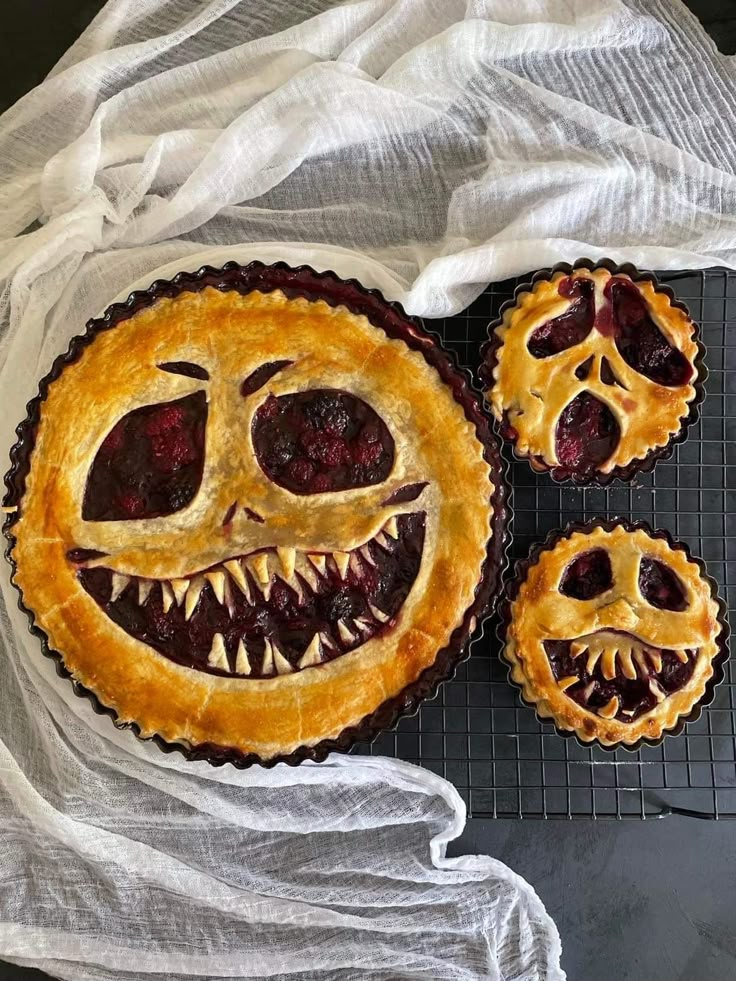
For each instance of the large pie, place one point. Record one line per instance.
(256, 513)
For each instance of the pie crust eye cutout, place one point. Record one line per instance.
(588, 575)
(569, 329)
(150, 463)
(321, 440)
(660, 586)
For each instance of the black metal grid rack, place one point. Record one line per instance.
(478, 734)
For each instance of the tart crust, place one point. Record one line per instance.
(534, 611)
(232, 321)
(527, 395)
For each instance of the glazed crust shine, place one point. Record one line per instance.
(537, 612)
(529, 394)
(231, 334)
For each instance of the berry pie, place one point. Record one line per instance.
(614, 632)
(593, 372)
(257, 512)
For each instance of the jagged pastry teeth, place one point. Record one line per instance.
(312, 655)
(242, 660)
(234, 567)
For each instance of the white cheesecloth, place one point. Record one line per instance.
(426, 147)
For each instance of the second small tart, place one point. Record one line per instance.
(614, 632)
(593, 372)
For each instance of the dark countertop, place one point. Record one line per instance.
(633, 901)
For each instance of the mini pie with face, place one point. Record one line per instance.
(614, 632)
(593, 372)
(258, 513)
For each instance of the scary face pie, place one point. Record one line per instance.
(258, 509)
(592, 374)
(613, 632)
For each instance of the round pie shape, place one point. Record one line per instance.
(259, 511)
(593, 371)
(614, 632)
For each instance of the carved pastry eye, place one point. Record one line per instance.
(321, 440)
(569, 329)
(661, 587)
(150, 464)
(588, 575)
(640, 342)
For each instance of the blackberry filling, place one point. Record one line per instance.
(571, 327)
(589, 575)
(321, 440)
(587, 433)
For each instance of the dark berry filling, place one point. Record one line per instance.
(571, 327)
(660, 586)
(659, 673)
(343, 610)
(150, 464)
(321, 440)
(588, 575)
(641, 343)
(586, 435)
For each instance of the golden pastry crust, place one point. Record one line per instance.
(231, 335)
(539, 612)
(529, 394)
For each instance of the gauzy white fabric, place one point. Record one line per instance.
(427, 147)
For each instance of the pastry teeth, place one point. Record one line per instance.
(119, 582)
(632, 656)
(378, 614)
(237, 573)
(312, 655)
(345, 634)
(242, 659)
(217, 657)
(341, 560)
(192, 598)
(391, 528)
(610, 709)
(216, 579)
(274, 661)
(287, 558)
(144, 588)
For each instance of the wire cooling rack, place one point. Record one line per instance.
(478, 734)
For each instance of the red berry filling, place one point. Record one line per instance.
(587, 434)
(588, 575)
(571, 327)
(150, 464)
(660, 586)
(321, 440)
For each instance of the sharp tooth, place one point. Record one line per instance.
(355, 564)
(296, 584)
(259, 565)
(641, 661)
(242, 661)
(319, 562)
(588, 690)
(379, 614)
(366, 553)
(267, 668)
(577, 647)
(217, 580)
(656, 658)
(193, 593)
(309, 574)
(391, 528)
(610, 709)
(567, 682)
(144, 588)
(119, 582)
(218, 655)
(593, 656)
(287, 557)
(237, 572)
(345, 635)
(628, 668)
(656, 690)
(266, 589)
(167, 596)
(327, 641)
(180, 587)
(383, 540)
(608, 663)
(312, 655)
(364, 626)
(681, 656)
(341, 561)
(278, 660)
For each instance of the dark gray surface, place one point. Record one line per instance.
(633, 902)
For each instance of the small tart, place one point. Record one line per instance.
(258, 512)
(614, 632)
(593, 373)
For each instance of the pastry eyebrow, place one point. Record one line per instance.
(258, 378)
(187, 368)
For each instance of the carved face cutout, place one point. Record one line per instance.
(593, 371)
(249, 488)
(618, 624)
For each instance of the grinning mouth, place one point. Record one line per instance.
(616, 675)
(271, 612)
